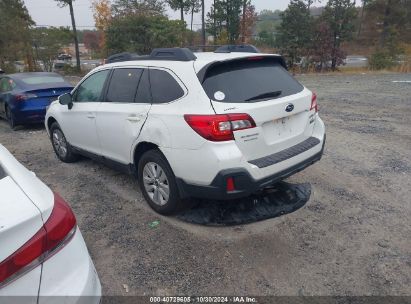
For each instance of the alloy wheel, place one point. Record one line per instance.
(59, 143)
(156, 183)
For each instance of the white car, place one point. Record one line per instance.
(212, 125)
(42, 252)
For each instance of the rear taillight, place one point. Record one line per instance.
(314, 105)
(219, 127)
(23, 97)
(56, 232)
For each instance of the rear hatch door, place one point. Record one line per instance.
(261, 87)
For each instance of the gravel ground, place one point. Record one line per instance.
(351, 238)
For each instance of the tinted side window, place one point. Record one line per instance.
(90, 90)
(143, 92)
(164, 88)
(123, 85)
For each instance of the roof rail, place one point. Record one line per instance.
(172, 54)
(176, 54)
(125, 56)
(240, 48)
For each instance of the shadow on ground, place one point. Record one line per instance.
(280, 199)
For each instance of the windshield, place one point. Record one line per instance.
(249, 80)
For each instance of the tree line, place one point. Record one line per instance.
(309, 33)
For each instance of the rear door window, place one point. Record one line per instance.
(164, 88)
(123, 85)
(249, 80)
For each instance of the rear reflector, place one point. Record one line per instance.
(219, 127)
(23, 97)
(56, 232)
(230, 184)
(314, 104)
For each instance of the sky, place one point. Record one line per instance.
(46, 12)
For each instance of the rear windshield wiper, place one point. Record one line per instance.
(265, 95)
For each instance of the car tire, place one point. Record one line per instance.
(156, 179)
(10, 118)
(61, 147)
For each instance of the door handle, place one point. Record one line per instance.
(134, 118)
(91, 115)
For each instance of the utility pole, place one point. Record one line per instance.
(203, 33)
(244, 14)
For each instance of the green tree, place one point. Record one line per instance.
(141, 33)
(224, 19)
(340, 15)
(195, 6)
(47, 42)
(69, 3)
(388, 18)
(389, 21)
(268, 21)
(138, 7)
(295, 31)
(15, 23)
(179, 5)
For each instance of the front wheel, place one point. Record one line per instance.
(157, 182)
(61, 147)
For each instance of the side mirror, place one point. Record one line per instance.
(65, 99)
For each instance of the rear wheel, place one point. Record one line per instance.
(157, 182)
(61, 147)
(10, 118)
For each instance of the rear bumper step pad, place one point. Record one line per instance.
(285, 154)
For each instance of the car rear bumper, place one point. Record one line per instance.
(31, 111)
(30, 116)
(244, 183)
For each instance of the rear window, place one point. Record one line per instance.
(249, 80)
(42, 80)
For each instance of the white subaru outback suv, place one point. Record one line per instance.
(210, 125)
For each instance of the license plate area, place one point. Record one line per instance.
(283, 126)
(281, 129)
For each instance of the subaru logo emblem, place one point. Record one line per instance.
(289, 107)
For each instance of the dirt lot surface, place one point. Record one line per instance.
(351, 238)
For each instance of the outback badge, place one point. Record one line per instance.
(289, 107)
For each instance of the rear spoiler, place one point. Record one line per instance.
(202, 73)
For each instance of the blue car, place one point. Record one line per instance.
(24, 97)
